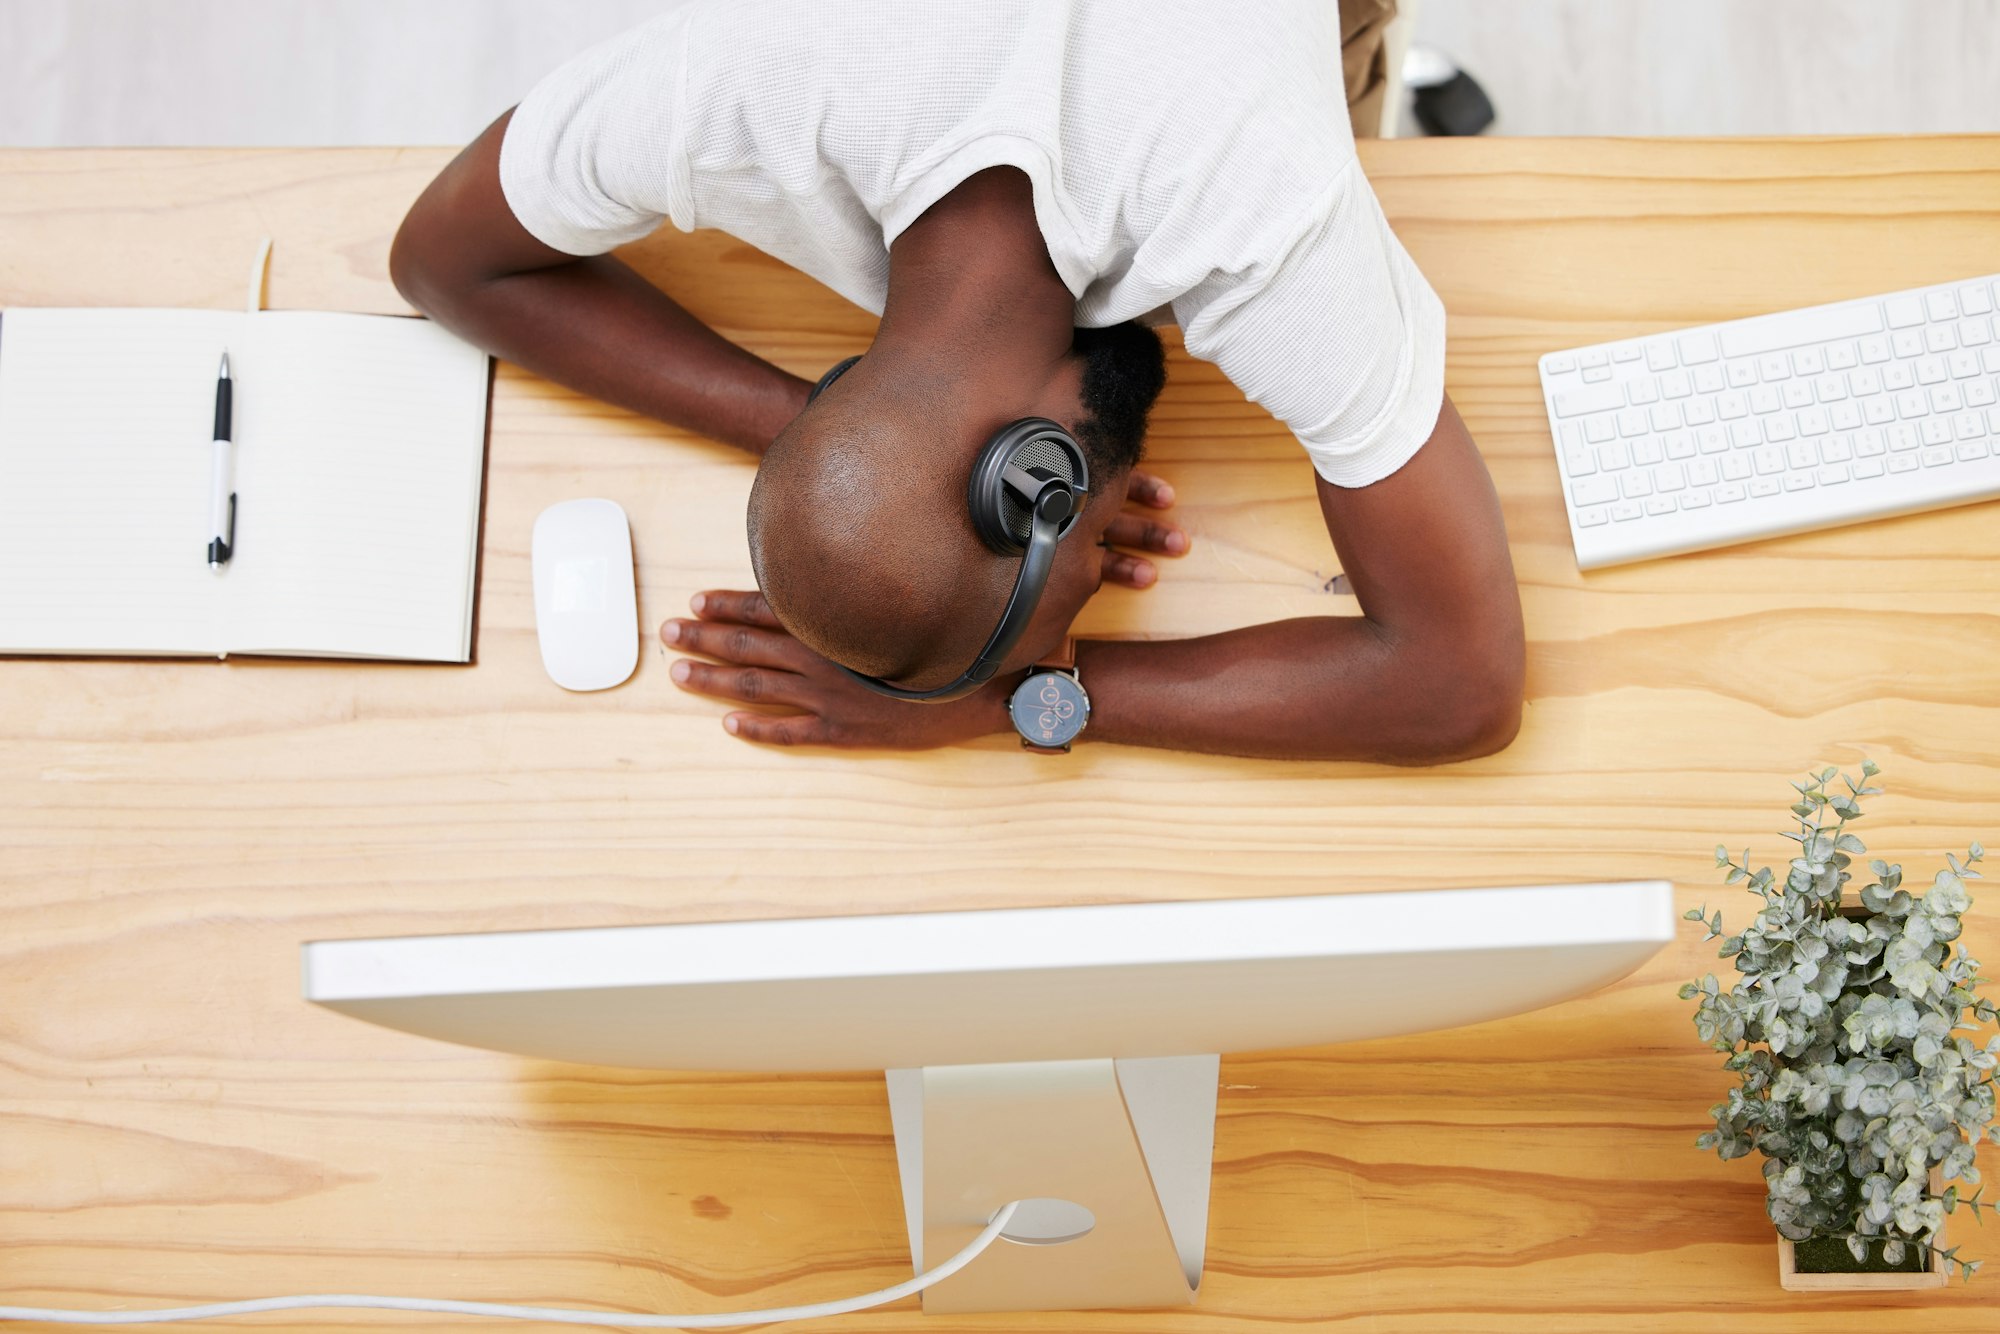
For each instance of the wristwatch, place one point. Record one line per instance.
(1050, 708)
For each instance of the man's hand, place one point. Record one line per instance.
(1134, 529)
(761, 664)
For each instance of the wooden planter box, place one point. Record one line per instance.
(1791, 1280)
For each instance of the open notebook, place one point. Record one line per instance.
(360, 443)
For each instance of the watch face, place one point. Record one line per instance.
(1049, 709)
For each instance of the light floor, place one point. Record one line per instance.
(92, 72)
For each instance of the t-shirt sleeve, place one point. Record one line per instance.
(1339, 337)
(592, 159)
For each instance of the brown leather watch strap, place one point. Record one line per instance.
(1063, 659)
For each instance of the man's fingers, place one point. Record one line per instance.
(733, 641)
(723, 604)
(1130, 571)
(749, 685)
(1149, 490)
(1136, 530)
(798, 729)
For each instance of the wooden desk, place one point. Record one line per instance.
(175, 1125)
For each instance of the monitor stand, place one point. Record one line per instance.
(1132, 1141)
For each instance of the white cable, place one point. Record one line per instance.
(554, 1314)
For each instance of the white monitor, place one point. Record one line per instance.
(1059, 1053)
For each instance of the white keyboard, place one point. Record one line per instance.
(1778, 424)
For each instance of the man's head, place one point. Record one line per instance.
(859, 529)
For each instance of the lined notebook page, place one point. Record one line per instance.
(360, 450)
(105, 422)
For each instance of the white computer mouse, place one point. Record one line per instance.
(586, 609)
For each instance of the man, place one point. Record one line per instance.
(1011, 185)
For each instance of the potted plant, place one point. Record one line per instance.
(1846, 1029)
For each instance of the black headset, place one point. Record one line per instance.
(1028, 486)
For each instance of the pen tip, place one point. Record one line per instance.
(224, 372)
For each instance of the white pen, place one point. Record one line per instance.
(222, 491)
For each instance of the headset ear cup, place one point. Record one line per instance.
(1003, 521)
(840, 368)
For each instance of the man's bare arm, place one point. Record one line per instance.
(592, 324)
(1431, 671)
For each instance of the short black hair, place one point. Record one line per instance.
(1124, 369)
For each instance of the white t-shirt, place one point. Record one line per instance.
(1184, 153)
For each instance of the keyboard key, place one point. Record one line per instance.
(1746, 434)
(1807, 361)
(1614, 456)
(1993, 420)
(1590, 518)
(1647, 452)
(1669, 477)
(1711, 440)
(1930, 370)
(1829, 388)
(1598, 429)
(1709, 379)
(1801, 454)
(1576, 402)
(1833, 475)
(1798, 481)
(1912, 404)
(1560, 364)
(1840, 356)
(1660, 505)
(1703, 472)
(1663, 416)
(1867, 468)
(1902, 436)
(1941, 306)
(1940, 338)
(1680, 445)
(1989, 357)
(1765, 399)
(1594, 356)
(1698, 412)
(1897, 376)
(1878, 411)
(1971, 450)
(1593, 491)
(1979, 394)
(1641, 392)
(1660, 355)
(1624, 510)
(1765, 486)
(1836, 449)
(1698, 348)
(1769, 460)
(1944, 398)
(1846, 416)
(1966, 426)
(1676, 384)
(1733, 404)
(1773, 333)
(1743, 374)
(1974, 333)
(1935, 457)
(1729, 493)
(1596, 374)
(1962, 364)
(1905, 312)
(1736, 468)
(1874, 351)
(1864, 382)
(1579, 462)
(1631, 422)
(1780, 428)
(1636, 483)
(1868, 444)
(1775, 366)
(1974, 301)
(1695, 500)
(1797, 394)
(1625, 352)
(1907, 343)
(1935, 431)
(1902, 463)
(1813, 421)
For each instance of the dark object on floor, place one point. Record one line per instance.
(1829, 1255)
(1456, 106)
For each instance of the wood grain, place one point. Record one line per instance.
(176, 1125)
